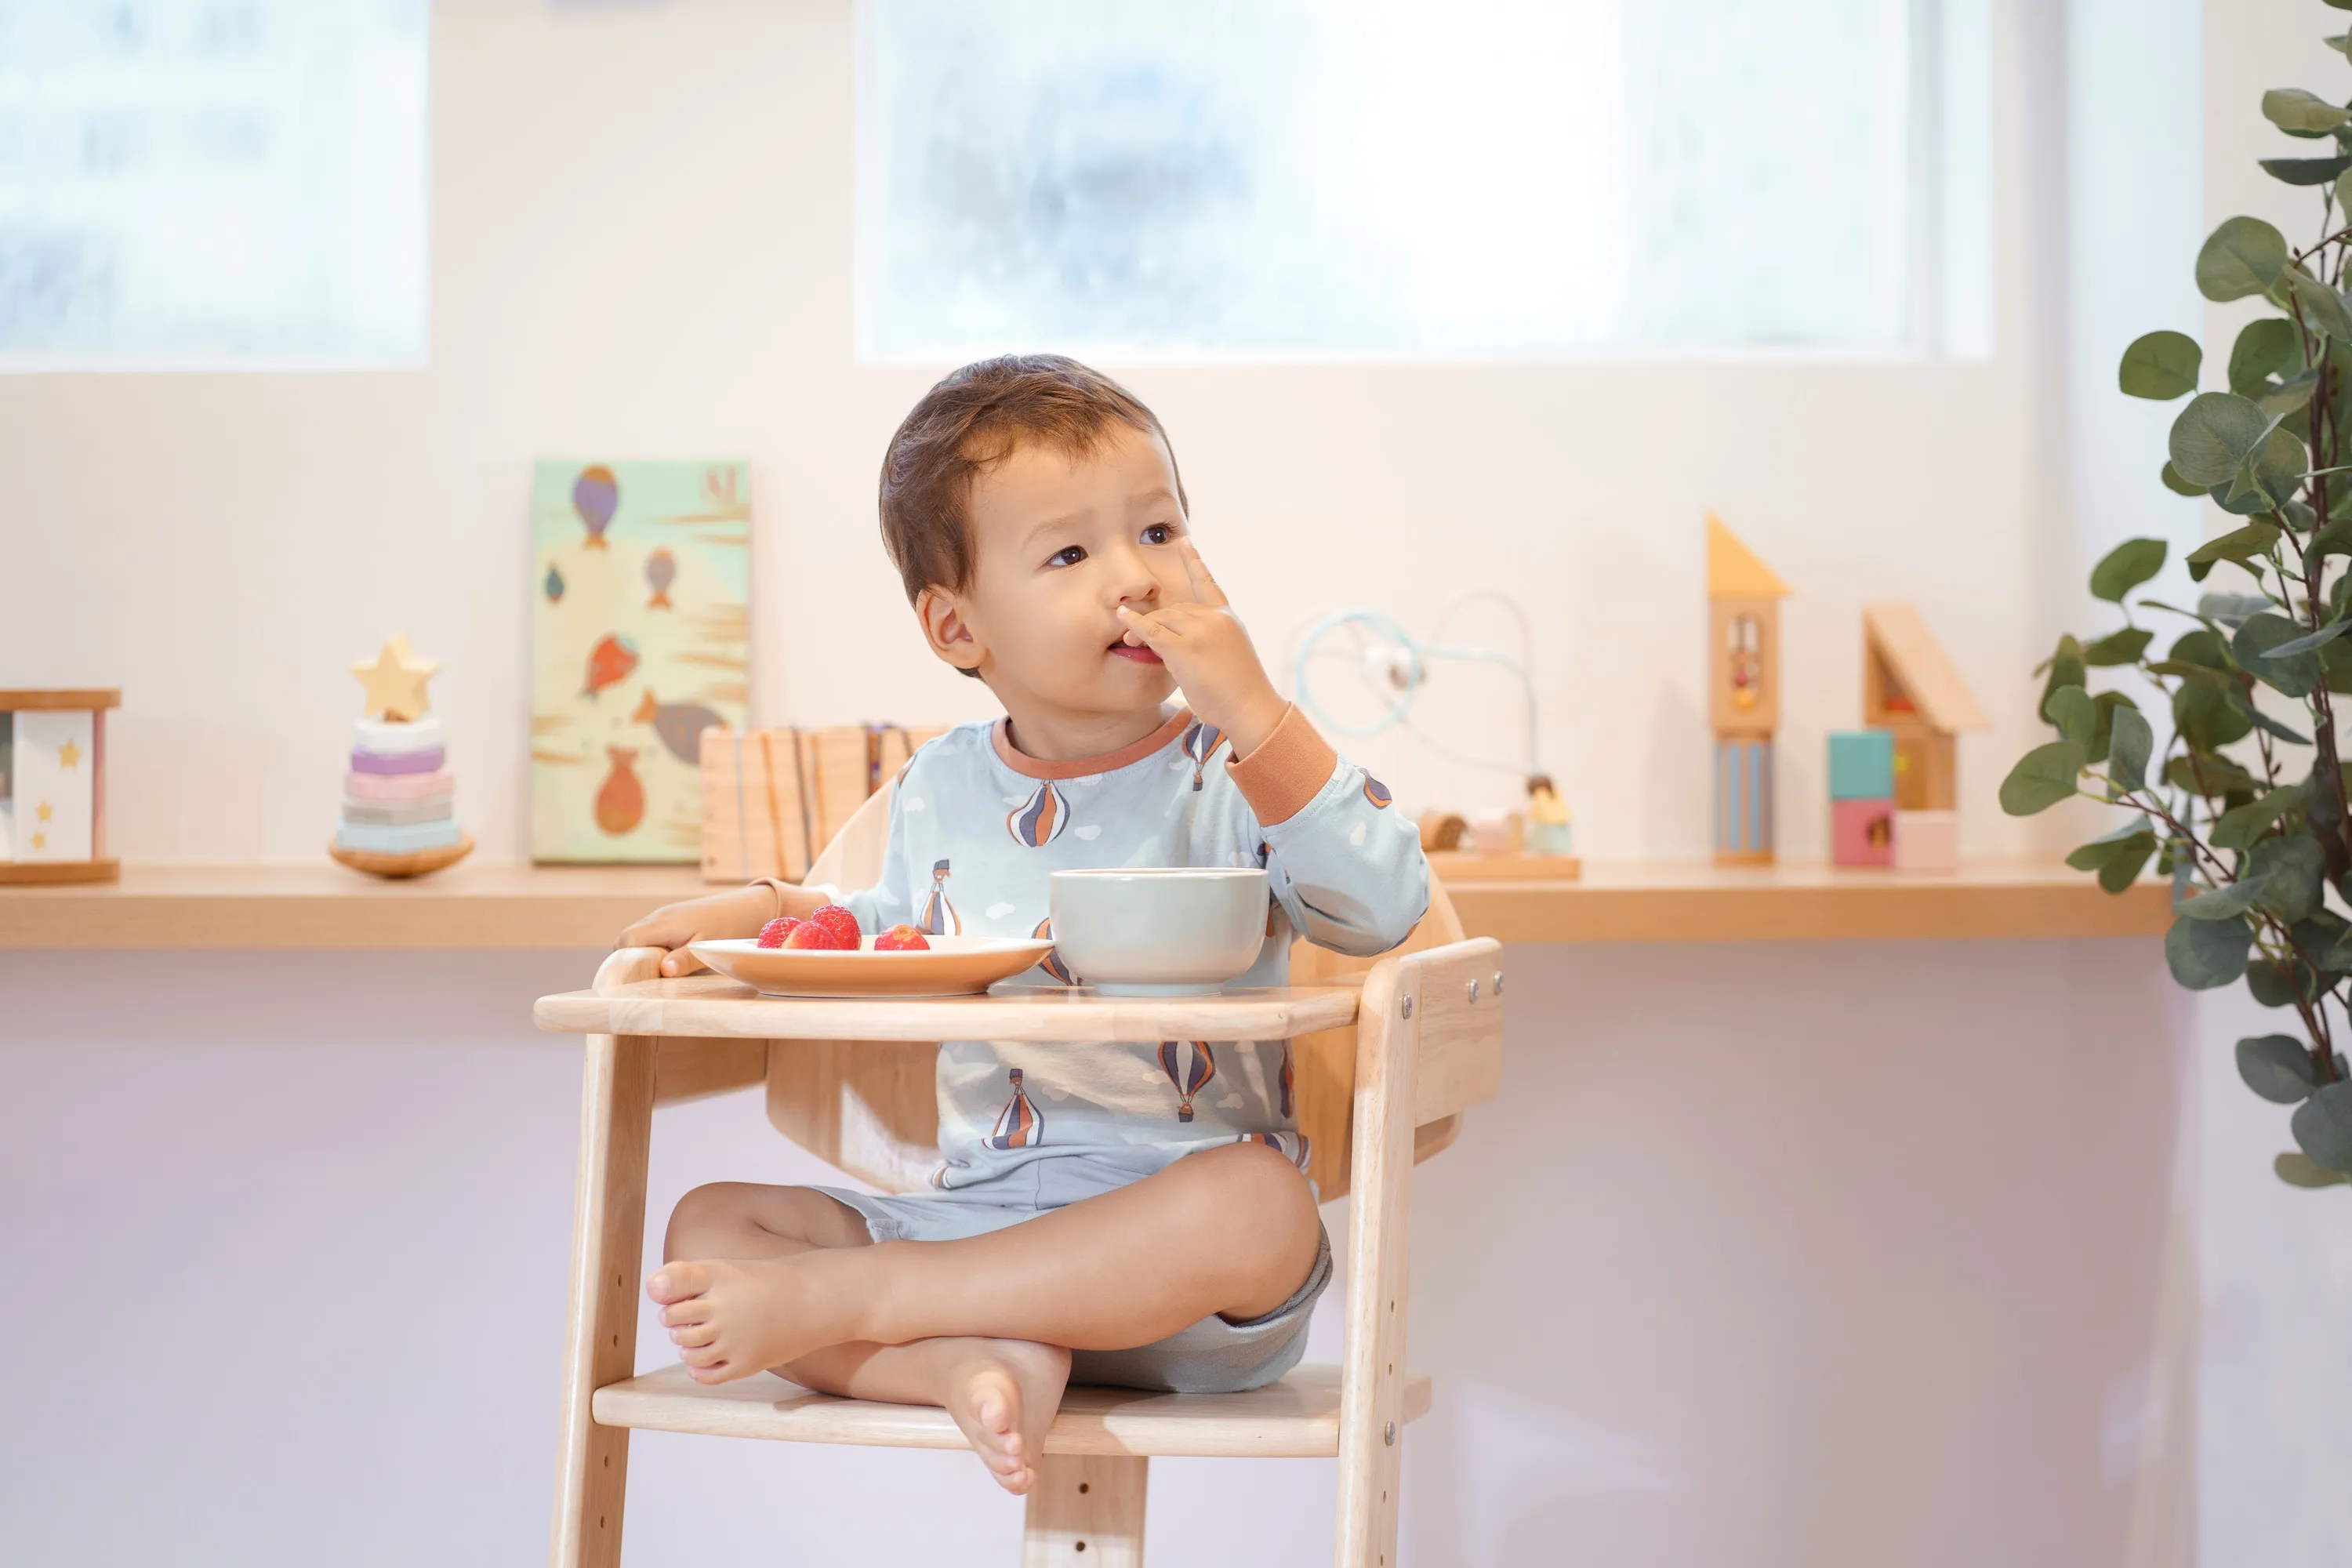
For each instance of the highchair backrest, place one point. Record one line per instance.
(871, 1108)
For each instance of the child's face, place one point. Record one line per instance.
(1059, 544)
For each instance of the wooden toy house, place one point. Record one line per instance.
(1743, 692)
(1910, 688)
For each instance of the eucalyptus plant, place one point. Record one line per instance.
(2245, 807)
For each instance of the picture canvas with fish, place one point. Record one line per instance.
(641, 641)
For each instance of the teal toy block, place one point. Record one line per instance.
(1862, 765)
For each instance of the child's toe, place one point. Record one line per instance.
(693, 1336)
(682, 1314)
(677, 1281)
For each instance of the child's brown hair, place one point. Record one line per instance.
(976, 416)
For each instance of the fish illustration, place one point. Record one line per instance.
(1189, 1065)
(1375, 791)
(1293, 1147)
(1201, 741)
(553, 583)
(678, 725)
(621, 802)
(595, 496)
(661, 571)
(1018, 1125)
(610, 662)
(939, 917)
(1052, 962)
(1039, 820)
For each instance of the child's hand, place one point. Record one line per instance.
(739, 912)
(1208, 652)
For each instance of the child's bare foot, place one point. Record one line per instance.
(1004, 1394)
(733, 1318)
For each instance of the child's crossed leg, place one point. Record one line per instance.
(788, 1279)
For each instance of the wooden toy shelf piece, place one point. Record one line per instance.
(1388, 1054)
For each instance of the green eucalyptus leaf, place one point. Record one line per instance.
(2323, 1127)
(2213, 435)
(2224, 903)
(2322, 308)
(2314, 641)
(2244, 255)
(2240, 497)
(2290, 868)
(2205, 717)
(2277, 466)
(2204, 646)
(2207, 954)
(2336, 663)
(2066, 667)
(2304, 170)
(2289, 396)
(2238, 828)
(2293, 108)
(2129, 742)
(2161, 365)
(2212, 777)
(2175, 484)
(2336, 538)
(2070, 709)
(2278, 1068)
(2267, 347)
(2124, 870)
(2295, 1167)
(2242, 545)
(2108, 846)
(2276, 984)
(2125, 567)
(2264, 722)
(2123, 646)
(2041, 778)
(2258, 648)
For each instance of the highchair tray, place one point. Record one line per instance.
(707, 1005)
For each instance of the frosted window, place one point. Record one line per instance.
(212, 183)
(1483, 178)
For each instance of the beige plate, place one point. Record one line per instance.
(953, 966)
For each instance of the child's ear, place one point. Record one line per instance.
(945, 628)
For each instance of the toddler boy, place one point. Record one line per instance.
(1136, 1213)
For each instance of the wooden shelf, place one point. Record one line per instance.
(1806, 903)
(474, 905)
(327, 905)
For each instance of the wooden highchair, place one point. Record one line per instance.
(1388, 1053)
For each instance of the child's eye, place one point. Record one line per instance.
(1160, 533)
(1069, 556)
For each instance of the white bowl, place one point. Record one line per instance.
(1159, 931)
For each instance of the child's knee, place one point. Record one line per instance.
(1258, 1192)
(714, 1205)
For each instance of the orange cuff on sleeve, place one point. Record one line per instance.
(1288, 769)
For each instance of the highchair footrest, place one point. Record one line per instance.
(1296, 1417)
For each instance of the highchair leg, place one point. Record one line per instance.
(1086, 1511)
(608, 1232)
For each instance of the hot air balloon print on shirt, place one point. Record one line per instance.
(939, 917)
(1201, 742)
(1039, 820)
(1052, 963)
(1375, 791)
(1189, 1065)
(1294, 1147)
(1018, 1125)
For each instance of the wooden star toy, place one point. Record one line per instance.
(395, 681)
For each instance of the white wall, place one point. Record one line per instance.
(642, 246)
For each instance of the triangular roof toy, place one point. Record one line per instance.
(1895, 632)
(1732, 570)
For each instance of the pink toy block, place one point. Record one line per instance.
(1927, 840)
(1862, 832)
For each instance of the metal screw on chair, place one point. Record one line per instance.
(1408, 1006)
(1498, 982)
(1388, 1437)
(1473, 991)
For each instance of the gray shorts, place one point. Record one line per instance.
(1211, 1356)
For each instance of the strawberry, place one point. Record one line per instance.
(809, 934)
(901, 939)
(775, 931)
(841, 923)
